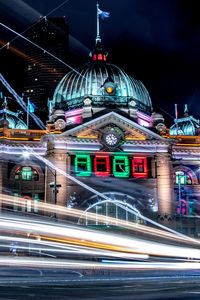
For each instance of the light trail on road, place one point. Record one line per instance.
(36, 244)
(78, 264)
(72, 212)
(74, 235)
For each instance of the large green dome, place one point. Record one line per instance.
(88, 81)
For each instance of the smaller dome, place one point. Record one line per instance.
(157, 116)
(14, 122)
(59, 112)
(184, 126)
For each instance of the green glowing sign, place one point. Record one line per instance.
(121, 167)
(26, 173)
(82, 165)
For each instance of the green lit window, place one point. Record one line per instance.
(26, 174)
(83, 165)
(36, 201)
(182, 178)
(121, 167)
(191, 207)
(15, 202)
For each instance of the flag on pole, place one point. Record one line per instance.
(31, 106)
(103, 14)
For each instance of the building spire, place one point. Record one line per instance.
(5, 103)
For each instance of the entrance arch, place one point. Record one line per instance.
(118, 207)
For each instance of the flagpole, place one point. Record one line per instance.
(27, 120)
(176, 111)
(98, 39)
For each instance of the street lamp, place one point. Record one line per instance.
(54, 186)
(182, 177)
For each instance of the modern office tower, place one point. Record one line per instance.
(43, 71)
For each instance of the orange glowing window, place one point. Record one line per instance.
(109, 89)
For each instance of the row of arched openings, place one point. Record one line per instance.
(182, 176)
(26, 173)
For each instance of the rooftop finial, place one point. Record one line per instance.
(186, 112)
(5, 103)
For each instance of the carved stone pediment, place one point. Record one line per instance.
(94, 129)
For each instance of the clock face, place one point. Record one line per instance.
(111, 139)
(60, 124)
(110, 88)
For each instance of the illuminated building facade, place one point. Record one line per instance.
(103, 132)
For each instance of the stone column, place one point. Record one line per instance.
(165, 189)
(153, 167)
(4, 186)
(1, 183)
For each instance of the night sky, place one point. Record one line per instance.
(156, 41)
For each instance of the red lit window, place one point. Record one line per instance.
(139, 167)
(94, 57)
(100, 57)
(102, 166)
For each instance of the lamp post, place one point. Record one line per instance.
(54, 185)
(180, 176)
(179, 200)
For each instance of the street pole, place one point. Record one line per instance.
(55, 187)
(179, 200)
(27, 118)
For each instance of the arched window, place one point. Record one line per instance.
(182, 178)
(26, 174)
(26, 203)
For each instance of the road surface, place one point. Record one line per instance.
(21, 284)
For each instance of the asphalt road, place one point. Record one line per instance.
(21, 284)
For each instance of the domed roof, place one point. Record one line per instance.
(156, 115)
(184, 126)
(59, 112)
(14, 122)
(89, 81)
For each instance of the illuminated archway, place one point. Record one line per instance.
(28, 204)
(184, 175)
(115, 208)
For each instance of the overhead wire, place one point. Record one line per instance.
(31, 26)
